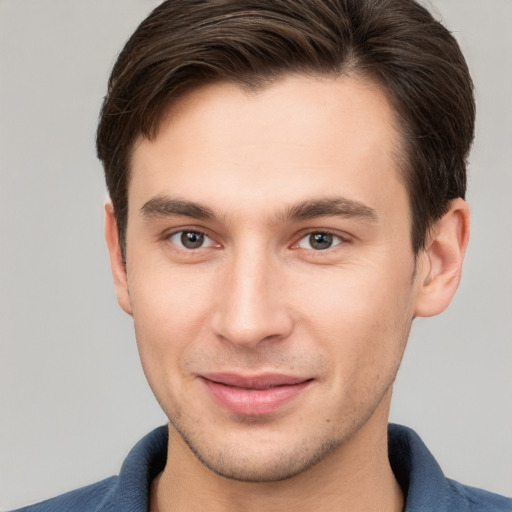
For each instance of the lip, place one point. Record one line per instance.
(253, 395)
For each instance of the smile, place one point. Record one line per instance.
(253, 395)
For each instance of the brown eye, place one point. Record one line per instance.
(191, 239)
(319, 241)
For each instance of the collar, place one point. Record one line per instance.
(422, 481)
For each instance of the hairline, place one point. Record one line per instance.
(259, 83)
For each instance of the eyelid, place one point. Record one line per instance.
(305, 233)
(167, 235)
(344, 237)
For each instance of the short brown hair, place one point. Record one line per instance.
(187, 43)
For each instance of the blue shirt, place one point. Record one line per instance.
(425, 487)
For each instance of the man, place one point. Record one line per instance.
(287, 183)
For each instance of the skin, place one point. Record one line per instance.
(258, 298)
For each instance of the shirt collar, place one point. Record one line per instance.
(422, 481)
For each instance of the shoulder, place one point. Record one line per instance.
(479, 500)
(92, 498)
(424, 484)
(127, 491)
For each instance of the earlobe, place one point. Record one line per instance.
(440, 267)
(116, 260)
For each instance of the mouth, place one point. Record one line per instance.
(254, 395)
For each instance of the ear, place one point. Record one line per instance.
(440, 263)
(116, 260)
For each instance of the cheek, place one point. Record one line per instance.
(363, 296)
(360, 318)
(164, 295)
(170, 311)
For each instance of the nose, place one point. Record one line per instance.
(251, 306)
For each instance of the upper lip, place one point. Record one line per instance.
(263, 381)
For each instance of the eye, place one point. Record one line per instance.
(319, 241)
(191, 240)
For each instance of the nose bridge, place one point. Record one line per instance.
(252, 308)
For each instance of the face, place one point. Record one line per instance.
(269, 270)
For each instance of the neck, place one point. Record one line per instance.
(355, 477)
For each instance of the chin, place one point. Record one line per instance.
(262, 463)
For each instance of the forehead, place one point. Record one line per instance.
(299, 135)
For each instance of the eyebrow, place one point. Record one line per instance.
(330, 207)
(164, 206)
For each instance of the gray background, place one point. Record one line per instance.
(73, 398)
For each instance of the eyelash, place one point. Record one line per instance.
(296, 245)
(342, 239)
(169, 235)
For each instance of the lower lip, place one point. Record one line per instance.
(254, 402)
